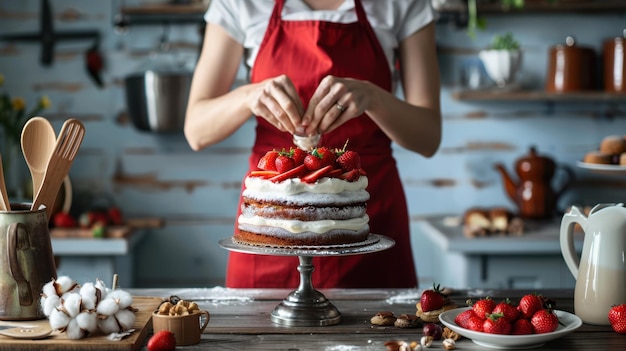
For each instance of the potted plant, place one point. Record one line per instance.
(474, 22)
(502, 59)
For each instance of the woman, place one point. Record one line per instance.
(324, 66)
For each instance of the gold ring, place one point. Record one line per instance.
(340, 107)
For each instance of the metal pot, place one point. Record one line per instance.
(157, 100)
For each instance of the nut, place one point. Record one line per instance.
(450, 334)
(449, 344)
(426, 341)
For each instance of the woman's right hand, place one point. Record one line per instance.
(277, 101)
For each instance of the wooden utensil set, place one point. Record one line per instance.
(49, 159)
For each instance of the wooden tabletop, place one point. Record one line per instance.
(240, 320)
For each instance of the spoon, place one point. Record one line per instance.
(38, 140)
(61, 159)
(4, 197)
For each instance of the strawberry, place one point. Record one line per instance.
(298, 156)
(432, 299)
(349, 160)
(529, 304)
(263, 174)
(544, 321)
(475, 323)
(522, 326)
(510, 312)
(483, 307)
(319, 157)
(463, 318)
(617, 318)
(284, 163)
(163, 340)
(114, 215)
(292, 173)
(268, 161)
(64, 220)
(351, 176)
(317, 174)
(495, 323)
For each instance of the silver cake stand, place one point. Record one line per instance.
(305, 306)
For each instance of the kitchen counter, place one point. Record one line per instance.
(240, 320)
(532, 260)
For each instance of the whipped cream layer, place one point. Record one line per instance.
(296, 226)
(294, 191)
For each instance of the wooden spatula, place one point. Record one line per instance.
(4, 197)
(66, 148)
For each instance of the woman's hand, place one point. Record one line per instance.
(277, 101)
(335, 101)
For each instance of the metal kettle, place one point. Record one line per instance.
(26, 262)
(534, 194)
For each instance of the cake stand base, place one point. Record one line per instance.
(305, 306)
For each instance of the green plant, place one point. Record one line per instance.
(504, 42)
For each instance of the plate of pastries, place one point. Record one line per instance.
(609, 158)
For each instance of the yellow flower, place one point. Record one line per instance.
(18, 104)
(44, 102)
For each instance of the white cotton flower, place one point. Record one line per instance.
(102, 287)
(123, 298)
(49, 303)
(89, 294)
(125, 318)
(64, 284)
(59, 319)
(73, 331)
(108, 307)
(72, 304)
(87, 321)
(109, 325)
(49, 289)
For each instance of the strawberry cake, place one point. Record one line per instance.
(305, 198)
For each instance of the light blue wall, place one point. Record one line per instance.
(196, 193)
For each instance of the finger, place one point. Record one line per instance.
(268, 109)
(286, 96)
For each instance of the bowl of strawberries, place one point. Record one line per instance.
(529, 323)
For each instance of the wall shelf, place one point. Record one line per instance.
(537, 95)
(159, 14)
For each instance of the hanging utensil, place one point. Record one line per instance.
(38, 141)
(4, 197)
(66, 148)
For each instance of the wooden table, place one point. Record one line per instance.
(240, 320)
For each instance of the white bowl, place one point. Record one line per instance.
(570, 323)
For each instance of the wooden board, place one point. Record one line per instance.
(133, 342)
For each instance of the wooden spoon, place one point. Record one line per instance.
(4, 197)
(65, 150)
(38, 140)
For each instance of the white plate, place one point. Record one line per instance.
(571, 323)
(602, 169)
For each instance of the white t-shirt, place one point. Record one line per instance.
(392, 20)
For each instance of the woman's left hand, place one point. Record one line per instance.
(335, 101)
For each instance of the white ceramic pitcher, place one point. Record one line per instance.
(600, 272)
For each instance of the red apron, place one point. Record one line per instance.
(307, 51)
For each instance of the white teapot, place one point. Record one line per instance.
(600, 272)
